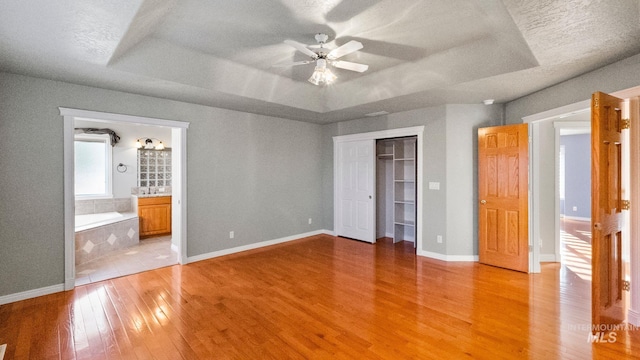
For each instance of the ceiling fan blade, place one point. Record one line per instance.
(293, 63)
(302, 48)
(348, 65)
(345, 49)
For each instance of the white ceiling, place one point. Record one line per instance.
(220, 52)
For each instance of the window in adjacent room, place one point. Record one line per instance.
(92, 166)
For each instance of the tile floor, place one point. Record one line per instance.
(149, 254)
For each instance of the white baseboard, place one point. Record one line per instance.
(549, 258)
(175, 248)
(450, 258)
(578, 218)
(261, 244)
(29, 294)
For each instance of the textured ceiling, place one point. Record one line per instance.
(220, 53)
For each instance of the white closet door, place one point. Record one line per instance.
(356, 190)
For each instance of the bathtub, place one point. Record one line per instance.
(90, 221)
(99, 234)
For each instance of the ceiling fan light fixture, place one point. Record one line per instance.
(321, 75)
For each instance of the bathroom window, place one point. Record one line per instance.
(92, 166)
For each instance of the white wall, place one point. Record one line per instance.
(125, 151)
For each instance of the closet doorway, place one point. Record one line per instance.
(362, 213)
(396, 174)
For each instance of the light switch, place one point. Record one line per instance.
(434, 185)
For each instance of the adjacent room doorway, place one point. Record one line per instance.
(573, 195)
(178, 199)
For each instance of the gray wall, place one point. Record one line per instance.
(258, 176)
(577, 175)
(618, 76)
(622, 75)
(449, 157)
(463, 122)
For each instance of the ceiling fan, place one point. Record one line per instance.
(322, 74)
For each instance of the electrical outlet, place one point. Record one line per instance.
(575, 208)
(231, 234)
(439, 239)
(310, 221)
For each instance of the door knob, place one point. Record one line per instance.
(483, 202)
(369, 196)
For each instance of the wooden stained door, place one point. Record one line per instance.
(606, 209)
(356, 169)
(503, 177)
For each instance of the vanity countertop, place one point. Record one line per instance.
(151, 195)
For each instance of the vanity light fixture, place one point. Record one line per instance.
(148, 144)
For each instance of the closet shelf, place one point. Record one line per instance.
(399, 178)
(411, 202)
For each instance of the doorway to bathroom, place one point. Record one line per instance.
(124, 185)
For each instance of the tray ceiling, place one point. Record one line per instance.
(220, 53)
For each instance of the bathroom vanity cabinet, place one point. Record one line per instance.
(155, 215)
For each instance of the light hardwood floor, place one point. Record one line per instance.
(318, 297)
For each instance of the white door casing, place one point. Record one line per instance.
(179, 192)
(417, 131)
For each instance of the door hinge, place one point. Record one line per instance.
(626, 205)
(595, 103)
(625, 124)
(626, 285)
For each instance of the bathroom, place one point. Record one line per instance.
(123, 199)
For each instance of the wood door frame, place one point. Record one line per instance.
(417, 131)
(179, 185)
(534, 164)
